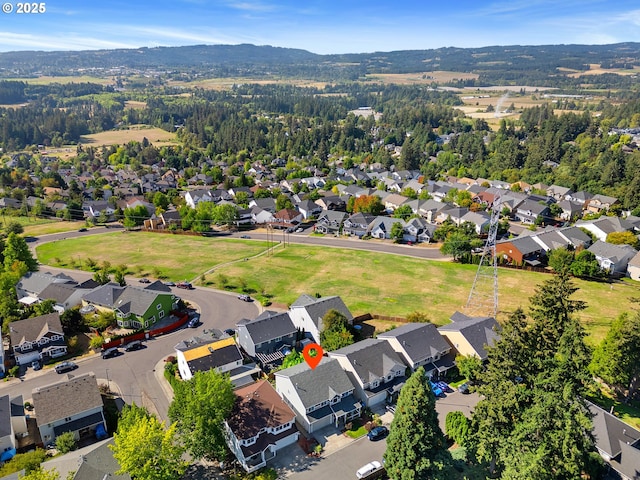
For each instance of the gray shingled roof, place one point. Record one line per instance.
(314, 386)
(5, 416)
(105, 295)
(31, 329)
(269, 325)
(318, 307)
(66, 398)
(525, 245)
(479, 331)
(37, 281)
(371, 358)
(99, 464)
(59, 292)
(609, 430)
(419, 340)
(613, 252)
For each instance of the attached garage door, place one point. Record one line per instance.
(27, 358)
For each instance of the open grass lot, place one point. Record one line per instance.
(163, 256)
(368, 282)
(421, 78)
(227, 82)
(135, 133)
(43, 226)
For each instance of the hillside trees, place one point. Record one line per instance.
(416, 447)
(532, 421)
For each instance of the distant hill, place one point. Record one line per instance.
(505, 63)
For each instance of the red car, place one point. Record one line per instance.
(185, 285)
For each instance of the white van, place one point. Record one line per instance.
(368, 469)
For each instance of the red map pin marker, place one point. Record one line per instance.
(312, 354)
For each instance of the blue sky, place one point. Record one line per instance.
(331, 26)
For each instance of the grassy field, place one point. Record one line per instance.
(135, 132)
(47, 80)
(368, 282)
(34, 226)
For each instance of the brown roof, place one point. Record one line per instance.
(32, 329)
(73, 395)
(258, 406)
(287, 214)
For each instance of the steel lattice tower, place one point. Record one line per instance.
(483, 298)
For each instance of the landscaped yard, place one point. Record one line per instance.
(368, 282)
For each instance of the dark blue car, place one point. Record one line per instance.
(378, 433)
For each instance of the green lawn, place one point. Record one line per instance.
(368, 282)
(45, 226)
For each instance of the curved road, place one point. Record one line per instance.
(134, 373)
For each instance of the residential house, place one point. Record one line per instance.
(603, 226)
(194, 197)
(393, 201)
(37, 338)
(321, 396)
(558, 192)
(357, 224)
(260, 425)
(382, 227)
(307, 313)
(480, 220)
(287, 217)
(421, 345)
(571, 211)
(308, 209)
(531, 211)
(520, 250)
(470, 335)
(581, 198)
(617, 442)
(331, 202)
(601, 203)
(29, 287)
(64, 295)
(330, 221)
(266, 337)
(452, 213)
(633, 268)
(216, 351)
(376, 370)
(73, 404)
(613, 258)
(268, 204)
(97, 464)
(134, 307)
(261, 217)
(417, 230)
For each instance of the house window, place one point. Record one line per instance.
(160, 315)
(159, 306)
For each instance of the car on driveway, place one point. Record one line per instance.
(299, 230)
(110, 352)
(65, 367)
(135, 345)
(36, 365)
(194, 322)
(464, 388)
(231, 332)
(378, 433)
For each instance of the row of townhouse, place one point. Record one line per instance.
(346, 381)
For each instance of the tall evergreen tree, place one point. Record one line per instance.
(416, 447)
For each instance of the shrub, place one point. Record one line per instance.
(96, 342)
(14, 371)
(66, 442)
(457, 427)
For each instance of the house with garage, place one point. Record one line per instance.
(64, 295)
(633, 268)
(418, 230)
(376, 370)
(520, 250)
(618, 443)
(531, 211)
(330, 221)
(613, 258)
(307, 313)
(601, 203)
(73, 404)
(357, 224)
(37, 338)
(267, 338)
(31, 285)
(603, 226)
(133, 307)
(308, 209)
(321, 396)
(382, 227)
(260, 425)
(470, 335)
(421, 345)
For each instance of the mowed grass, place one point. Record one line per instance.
(163, 256)
(368, 282)
(45, 226)
(134, 133)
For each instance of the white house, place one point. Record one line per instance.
(307, 312)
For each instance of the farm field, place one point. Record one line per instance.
(420, 78)
(368, 282)
(135, 132)
(47, 80)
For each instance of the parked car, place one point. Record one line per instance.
(111, 352)
(369, 469)
(230, 331)
(378, 433)
(464, 388)
(245, 236)
(144, 280)
(185, 285)
(194, 322)
(135, 345)
(82, 229)
(170, 284)
(64, 367)
(36, 365)
(299, 230)
(244, 298)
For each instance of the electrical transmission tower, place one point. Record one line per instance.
(483, 298)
